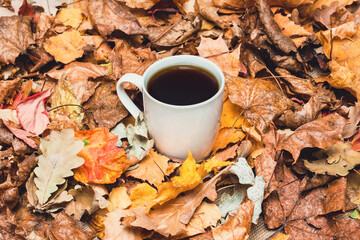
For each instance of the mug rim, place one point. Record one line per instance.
(210, 66)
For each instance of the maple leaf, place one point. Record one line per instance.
(172, 217)
(209, 47)
(104, 162)
(320, 133)
(56, 162)
(65, 47)
(16, 36)
(339, 161)
(70, 17)
(64, 95)
(237, 226)
(109, 15)
(32, 114)
(261, 100)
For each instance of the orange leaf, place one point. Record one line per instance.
(104, 162)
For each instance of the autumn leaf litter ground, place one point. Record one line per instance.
(75, 165)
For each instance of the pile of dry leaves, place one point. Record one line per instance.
(74, 165)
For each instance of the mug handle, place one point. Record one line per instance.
(124, 98)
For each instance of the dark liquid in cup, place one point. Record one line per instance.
(182, 85)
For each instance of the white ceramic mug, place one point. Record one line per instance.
(178, 129)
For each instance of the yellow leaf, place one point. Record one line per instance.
(189, 177)
(64, 95)
(229, 115)
(213, 163)
(65, 47)
(281, 236)
(70, 17)
(118, 198)
(226, 136)
(142, 194)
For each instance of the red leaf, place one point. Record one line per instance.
(32, 113)
(23, 135)
(26, 10)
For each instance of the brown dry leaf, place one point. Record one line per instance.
(209, 12)
(266, 163)
(281, 41)
(321, 201)
(209, 47)
(70, 17)
(145, 4)
(309, 112)
(238, 225)
(289, 28)
(152, 168)
(261, 100)
(172, 217)
(353, 189)
(127, 59)
(177, 33)
(337, 159)
(8, 89)
(320, 133)
(240, 4)
(109, 15)
(16, 36)
(65, 227)
(206, 215)
(78, 74)
(354, 118)
(227, 136)
(254, 62)
(116, 230)
(296, 84)
(65, 47)
(105, 106)
(229, 63)
(323, 227)
(308, 10)
(345, 54)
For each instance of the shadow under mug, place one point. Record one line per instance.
(176, 130)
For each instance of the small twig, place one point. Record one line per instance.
(67, 105)
(275, 233)
(225, 187)
(331, 39)
(356, 171)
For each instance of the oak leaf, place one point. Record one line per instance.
(109, 15)
(152, 168)
(172, 217)
(261, 100)
(320, 133)
(104, 162)
(65, 47)
(339, 159)
(56, 162)
(16, 36)
(70, 17)
(78, 74)
(237, 226)
(32, 114)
